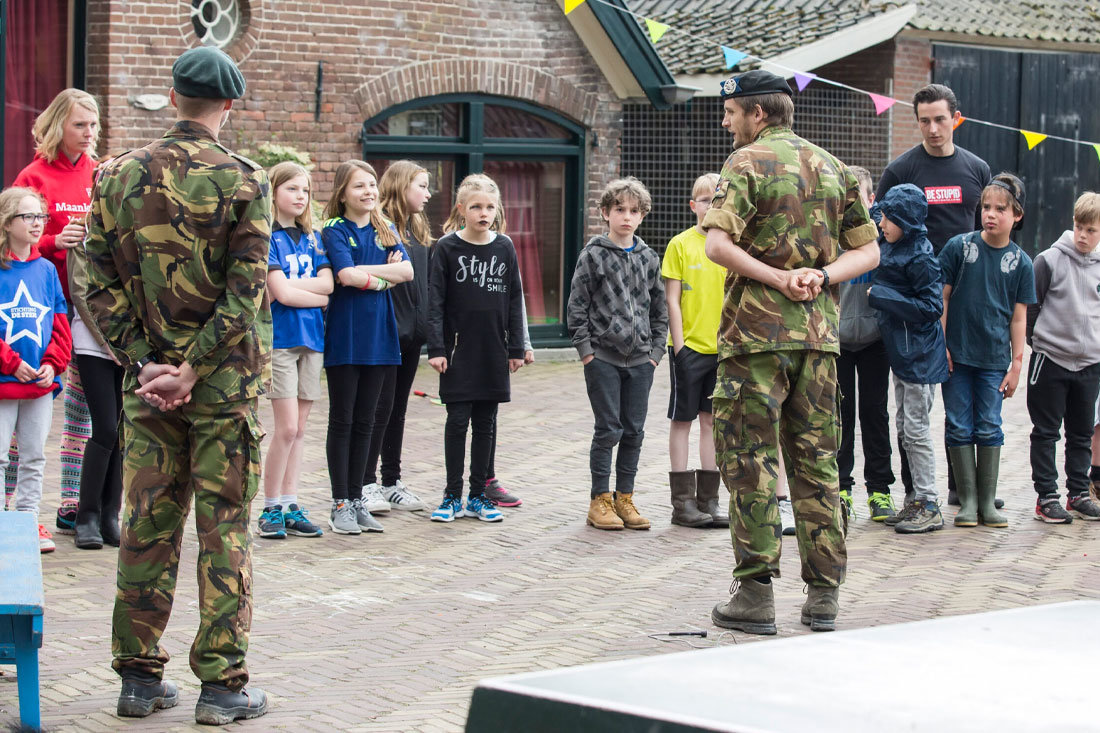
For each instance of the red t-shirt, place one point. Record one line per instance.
(67, 188)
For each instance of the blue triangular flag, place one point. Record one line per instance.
(733, 58)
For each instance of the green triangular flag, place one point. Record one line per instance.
(1097, 149)
(656, 30)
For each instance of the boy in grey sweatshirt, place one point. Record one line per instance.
(618, 321)
(1063, 328)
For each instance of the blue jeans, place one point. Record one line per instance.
(972, 400)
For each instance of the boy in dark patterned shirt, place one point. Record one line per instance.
(618, 321)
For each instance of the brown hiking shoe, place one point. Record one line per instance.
(624, 507)
(601, 513)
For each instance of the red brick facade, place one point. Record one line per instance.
(375, 55)
(912, 70)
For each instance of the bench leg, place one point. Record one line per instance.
(26, 665)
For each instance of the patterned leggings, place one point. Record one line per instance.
(74, 436)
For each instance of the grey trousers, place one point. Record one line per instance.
(914, 406)
(30, 421)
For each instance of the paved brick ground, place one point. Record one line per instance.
(391, 632)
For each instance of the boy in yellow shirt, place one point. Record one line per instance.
(693, 290)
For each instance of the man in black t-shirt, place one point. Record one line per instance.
(952, 180)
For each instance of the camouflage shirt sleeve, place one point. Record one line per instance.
(107, 299)
(237, 308)
(733, 205)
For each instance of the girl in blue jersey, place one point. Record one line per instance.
(475, 337)
(299, 281)
(361, 343)
(35, 348)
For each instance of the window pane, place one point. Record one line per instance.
(532, 194)
(441, 182)
(440, 120)
(511, 122)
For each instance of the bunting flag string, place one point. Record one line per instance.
(732, 57)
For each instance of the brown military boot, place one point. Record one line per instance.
(624, 507)
(751, 609)
(601, 513)
(820, 609)
(708, 487)
(685, 511)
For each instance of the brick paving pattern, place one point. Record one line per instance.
(392, 631)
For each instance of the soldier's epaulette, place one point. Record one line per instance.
(237, 156)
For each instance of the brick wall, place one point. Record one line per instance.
(912, 70)
(375, 54)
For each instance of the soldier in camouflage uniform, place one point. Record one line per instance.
(177, 266)
(783, 210)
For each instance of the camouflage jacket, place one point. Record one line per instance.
(177, 244)
(789, 204)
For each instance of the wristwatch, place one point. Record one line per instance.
(824, 277)
(140, 364)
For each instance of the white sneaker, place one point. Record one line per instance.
(401, 498)
(373, 499)
(786, 516)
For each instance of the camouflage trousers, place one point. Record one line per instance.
(210, 453)
(761, 402)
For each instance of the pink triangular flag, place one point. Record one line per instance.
(882, 103)
(802, 80)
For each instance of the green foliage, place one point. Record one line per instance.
(268, 154)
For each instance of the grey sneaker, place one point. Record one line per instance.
(911, 507)
(363, 519)
(399, 497)
(342, 518)
(786, 516)
(372, 497)
(926, 518)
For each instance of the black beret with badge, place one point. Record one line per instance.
(207, 73)
(756, 81)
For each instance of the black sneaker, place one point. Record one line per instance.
(882, 507)
(926, 518)
(66, 519)
(1084, 507)
(907, 512)
(218, 705)
(141, 697)
(1049, 510)
(272, 526)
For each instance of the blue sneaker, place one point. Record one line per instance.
(297, 522)
(449, 510)
(483, 509)
(271, 523)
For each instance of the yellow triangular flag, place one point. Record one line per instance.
(571, 5)
(656, 30)
(1033, 138)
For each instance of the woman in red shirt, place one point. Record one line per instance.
(65, 136)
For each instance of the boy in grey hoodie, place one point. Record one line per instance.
(1063, 328)
(618, 321)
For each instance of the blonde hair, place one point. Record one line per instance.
(9, 207)
(706, 183)
(474, 183)
(623, 188)
(393, 194)
(1086, 210)
(335, 207)
(49, 127)
(288, 170)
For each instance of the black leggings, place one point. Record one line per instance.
(389, 424)
(354, 392)
(101, 474)
(459, 416)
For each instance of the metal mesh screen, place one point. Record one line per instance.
(669, 149)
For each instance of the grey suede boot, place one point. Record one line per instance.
(989, 469)
(708, 488)
(751, 609)
(685, 511)
(820, 609)
(963, 462)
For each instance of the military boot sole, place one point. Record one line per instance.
(749, 627)
(132, 706)
(819, 623)
(215, 715)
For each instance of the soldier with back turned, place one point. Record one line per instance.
(177, 265)
(783, 210)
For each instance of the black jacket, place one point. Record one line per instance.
(410, 300)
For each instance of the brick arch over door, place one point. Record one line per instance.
(457, 76)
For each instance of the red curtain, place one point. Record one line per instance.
(36, 40)
(518, 183)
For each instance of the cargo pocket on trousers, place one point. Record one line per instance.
(729, 420)
(251, 438)
(244, 603)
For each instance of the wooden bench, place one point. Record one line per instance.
(21, 605)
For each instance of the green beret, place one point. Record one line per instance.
(756, 81)
(207, 73)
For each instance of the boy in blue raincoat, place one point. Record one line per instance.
(907, 294)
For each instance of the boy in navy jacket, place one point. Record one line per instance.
(907, 295)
